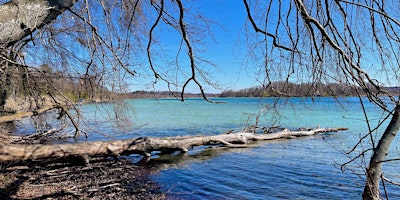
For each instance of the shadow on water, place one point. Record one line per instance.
(160, 162)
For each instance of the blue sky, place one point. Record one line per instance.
(226, 52)
(222, 48)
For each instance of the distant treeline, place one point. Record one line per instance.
(285, 89)
(288, 89)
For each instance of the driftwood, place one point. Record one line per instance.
(143, 145)
(21, 115)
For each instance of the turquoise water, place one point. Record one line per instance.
(196, 116)
(303, 168)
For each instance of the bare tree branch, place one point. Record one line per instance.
(257, 29)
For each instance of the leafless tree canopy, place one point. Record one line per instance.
(327, 41)
(98, 49)
(323, 41)
(108, 43)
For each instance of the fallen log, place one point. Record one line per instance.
(21, 115)
(143, 145)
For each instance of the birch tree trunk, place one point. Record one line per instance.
(374, 172)
(20, 18)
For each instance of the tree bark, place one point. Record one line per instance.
(20, 18)
(374, 171)
(143, 145)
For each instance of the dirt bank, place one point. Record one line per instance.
(101, 179)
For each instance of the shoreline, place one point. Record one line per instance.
(101, 179)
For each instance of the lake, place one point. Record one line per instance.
(302, 168)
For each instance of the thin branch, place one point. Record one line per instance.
(190, 54)
(94, 29)
(373, 10)
(160, 13)
(257, 29)
(355, 158)
(389, 160)
(390, 181)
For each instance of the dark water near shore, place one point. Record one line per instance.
(303, 168)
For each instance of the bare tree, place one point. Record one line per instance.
(351, 42)
(99, 46)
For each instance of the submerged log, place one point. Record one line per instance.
(143, 145)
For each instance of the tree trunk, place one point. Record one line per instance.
(374, 171)
(4, 88)
(20, 18)
(3, 98)
(143, 145)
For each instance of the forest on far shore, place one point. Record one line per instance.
(274, 89)
(288, 89)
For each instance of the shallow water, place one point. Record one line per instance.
(303, 168)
